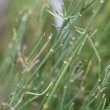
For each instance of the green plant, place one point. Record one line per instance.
(63, 71)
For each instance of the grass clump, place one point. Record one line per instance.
(64, 69)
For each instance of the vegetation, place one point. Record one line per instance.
(57, 68)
